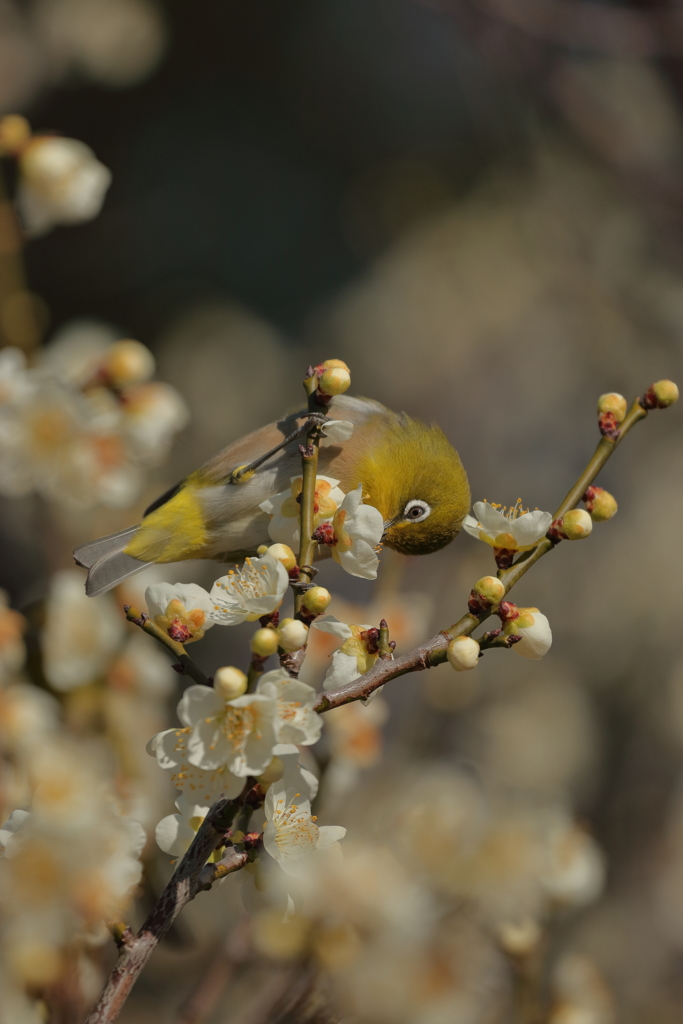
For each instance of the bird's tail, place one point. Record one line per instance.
(106, 562)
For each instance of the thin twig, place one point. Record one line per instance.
(185, 664)
(191, 876)
(309, 463)
(434, 651)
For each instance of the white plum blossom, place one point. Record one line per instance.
(512, 529)
(61, 182)
(357, 654)
(285, 510)
(80, 635)
(575, 870)
(534, 629)
(297, 722)
(248, 593)
(353, 535)
(291, 835)
(175, 832)
(336, 432)
(204, 786)
(239, 733)
(182, 610)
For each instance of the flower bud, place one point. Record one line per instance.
(230, 682)
(264, 642)
(575, 524)
(660, 395)
(614, 404)
(463, 653)
(128, 362)
(316, 600)
(14, 132)
(283, 553)
(485, 592)
(519, 938)
(600, 504)
(335, 381)
(534, 629)
(335, 364)
(292, 634)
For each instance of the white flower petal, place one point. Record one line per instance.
(493, 521)
(329, 624)
(198, 702)
(173, 835)
(531, 527)
(329, 834)
(336, 432)
(344, 669)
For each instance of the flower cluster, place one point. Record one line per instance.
(81, 426)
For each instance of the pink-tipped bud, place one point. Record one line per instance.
(264, 642)
(230, 682)
(282, 553)
(334, 381)
(486, 592)
(292, 634)
(660, 395)
(463, 653)
(600, 504)
(316, 600)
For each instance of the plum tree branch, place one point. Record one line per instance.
(433, 652)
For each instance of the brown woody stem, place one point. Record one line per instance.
(191, 876)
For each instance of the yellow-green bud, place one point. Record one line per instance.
(128, 362)
(661, 395)
(316, 600)
(613, 403)
(486, 592)
(335, 364)
(283, 553)
(264, 642)
(600, 504)
(292, 634)
(261, 549)
(576, 524)
(463, 653)
(230, 682)
(335, 381)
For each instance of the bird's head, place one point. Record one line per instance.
(414, 476)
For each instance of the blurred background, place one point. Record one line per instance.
(479, 206)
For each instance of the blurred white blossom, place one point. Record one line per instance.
(61, 182)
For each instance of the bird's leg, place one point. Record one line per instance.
(241, 474)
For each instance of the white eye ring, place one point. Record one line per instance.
(416, 511)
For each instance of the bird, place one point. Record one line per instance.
(409, 471)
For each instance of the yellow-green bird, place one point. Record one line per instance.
(409, 471)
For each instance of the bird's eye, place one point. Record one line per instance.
(416, 511)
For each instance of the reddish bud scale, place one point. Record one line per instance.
(590, 496)
(555, 532)
(477, 604)
(504, 557)
(325, 534)
(274, 617)
(507, 611)
(513, 639)
(370, 638)
(609, 427)
(294, 572)
(179, 632)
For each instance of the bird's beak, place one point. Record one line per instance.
(387, 524)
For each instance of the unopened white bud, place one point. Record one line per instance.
(292, 634)
(534, 629)
(316, 600)
(600, 504)
(519, 938)
(264, 642)
(230, 682)
(661, 395)
(128, 362)
(463, 653)
(283, 553)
